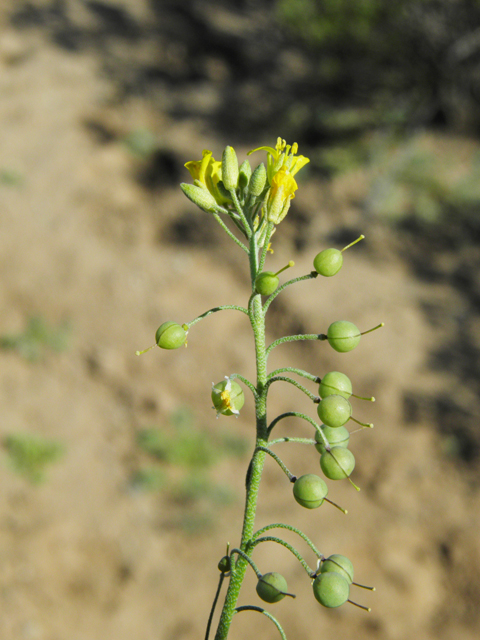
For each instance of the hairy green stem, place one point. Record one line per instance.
(269, 300)
(257, 320)
(265, 613)
(229, 233)
(291, 476)
(311, 395)
(288, 546)
(222, 307)
(289, 527)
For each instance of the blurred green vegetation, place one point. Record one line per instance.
(30, 455)
(182, 456)
(11, 177)
(37, 335)
(391, 64)
(412, 179)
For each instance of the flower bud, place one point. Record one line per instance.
(200, 196)
(229, 168)
(258, 180)
(227, 397)
(244, 174)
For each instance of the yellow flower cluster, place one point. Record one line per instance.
(282, 165)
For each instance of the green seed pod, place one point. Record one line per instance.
(170, 335)
(336, 436)
(258, 181)
(334, 411)
(338, 463)
(331, 589)
(227, 397)
(328, 262)
(310, 491)
(338, 564)
(225, 564)
(199, 196)
(266, 283)
(272, 587)
(343, 336)
(335, 383)
(229, 168)
(244, 174)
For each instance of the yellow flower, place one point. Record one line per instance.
(208, 171)
(283, 156)
(278, 198)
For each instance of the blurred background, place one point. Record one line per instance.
(119, 489)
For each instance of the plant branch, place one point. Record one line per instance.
(311, 395)
(299, 372)
(271, 298)
(288, 546)
(265, 613)
(301, 336)
(223, 307)
(281, 525)
(229, 233)
(280, 463)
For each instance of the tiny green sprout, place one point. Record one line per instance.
(338, 463)
(331, 589)
(338, 564)
(310, 491)
(336, 436)
(334, 411)
(267, 282)
(272, 587)
(227, 397)
(337, 383)
(329, 261)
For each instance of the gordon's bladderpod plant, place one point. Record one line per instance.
(256, 202)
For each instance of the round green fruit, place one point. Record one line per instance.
(335, 383)
(224, 564)
(266, 283)
(338, 463)
(336, 436)
(343, 336)
(227, 397)
(338, 564)
(272, 587)
(170, 335)
(331, 589)
(310, 491)
(328, 262)
(334, 411)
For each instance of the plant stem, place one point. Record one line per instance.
(257, 320)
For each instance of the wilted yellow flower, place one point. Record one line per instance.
(208, 171)
(283, 156)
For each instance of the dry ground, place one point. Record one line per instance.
(83, 556)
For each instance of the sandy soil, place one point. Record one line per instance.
(87, 556)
